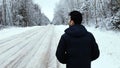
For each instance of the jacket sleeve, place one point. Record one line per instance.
(94, 49)
(60, 53)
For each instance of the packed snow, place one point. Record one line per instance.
(35, 47)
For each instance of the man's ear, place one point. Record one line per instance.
(71, 23)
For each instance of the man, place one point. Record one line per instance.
(77, 47)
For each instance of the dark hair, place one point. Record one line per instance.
(76, 16)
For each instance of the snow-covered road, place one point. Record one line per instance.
(35, 48)
(27, 50)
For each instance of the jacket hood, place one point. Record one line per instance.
(76, 31)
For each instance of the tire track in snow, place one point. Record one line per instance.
(9, 50)
(15, 38)
(35, 49)
(7, 40)
(40, 59)
(27, 42)
(54, 62)
(52, 59)
(15, 42)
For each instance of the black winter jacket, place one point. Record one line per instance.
(77, 48)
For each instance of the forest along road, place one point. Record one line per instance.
(34, 48)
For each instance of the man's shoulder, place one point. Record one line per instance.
(65, 36)
(89, 33)
(91, 36)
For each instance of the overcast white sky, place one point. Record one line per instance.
(47, 7)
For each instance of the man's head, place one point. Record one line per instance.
(75, 18)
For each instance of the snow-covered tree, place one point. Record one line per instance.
(6, 12)
(21, 13)
(95, 12)
(26, 13)
(59, 17)
(0, 15)
(115, 9)
(44, 20)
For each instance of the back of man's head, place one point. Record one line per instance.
(76, 16)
